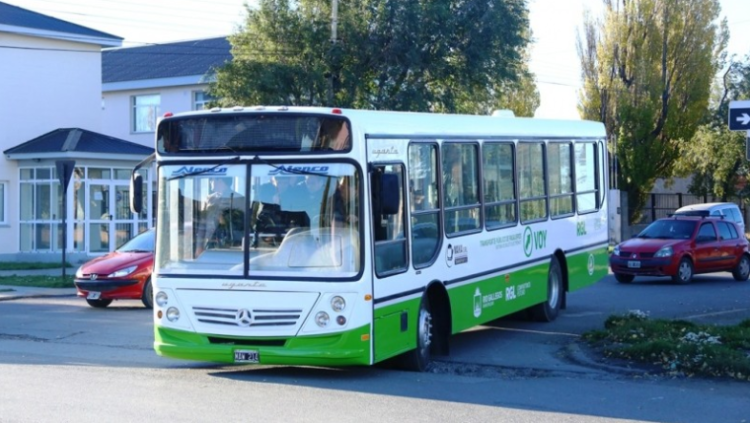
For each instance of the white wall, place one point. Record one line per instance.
(117, 112)
(43, 90)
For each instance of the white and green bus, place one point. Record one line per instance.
(335, 237)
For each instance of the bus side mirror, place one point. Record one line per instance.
(136, 193)
(389, 193)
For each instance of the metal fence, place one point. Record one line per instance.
(662, 205)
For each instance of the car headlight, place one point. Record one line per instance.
(616, 250)
(664, 252)
(123, 272)
(79, 272)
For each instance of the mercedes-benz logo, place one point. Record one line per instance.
(243, 317)
(94, 276)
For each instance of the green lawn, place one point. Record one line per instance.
(39, 281)
(12, 265)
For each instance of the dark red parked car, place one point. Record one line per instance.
(680, 247)
(124, 274)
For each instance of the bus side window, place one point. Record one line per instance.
(388, 219)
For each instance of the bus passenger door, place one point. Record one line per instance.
(390, 315)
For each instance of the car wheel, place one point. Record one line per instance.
(148, 294)
(623, 278)
(548, 310)
(742, 271)
(418, 359)
(99, 303)
(684, 273)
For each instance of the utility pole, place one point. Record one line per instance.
(333, 56)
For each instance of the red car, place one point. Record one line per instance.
(124, 274)
(680, 247)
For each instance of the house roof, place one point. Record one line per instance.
(185, 58)
(14, 16)
(75, 142)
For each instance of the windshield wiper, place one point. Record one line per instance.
(205, 170)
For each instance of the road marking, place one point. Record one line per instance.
(541, 332)
(718, 313)
(583, 314)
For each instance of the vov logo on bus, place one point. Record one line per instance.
(533, 240)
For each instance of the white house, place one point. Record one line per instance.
(142, 83)
(71, 95)
(50, 77)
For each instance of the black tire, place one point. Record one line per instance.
(419, 358)
(684, 273)
(148, 294)
(742, 271)
(548, 310)
(99, 303)
(623, 278)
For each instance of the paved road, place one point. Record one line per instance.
(511, 370)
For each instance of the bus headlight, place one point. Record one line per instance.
(173, 314)
(322, 319)
(338, 304)
(161, 298)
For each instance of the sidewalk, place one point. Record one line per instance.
(9, 292)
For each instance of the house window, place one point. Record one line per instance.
(40, 210)
(145, 111)
(201, 100)
(3, 203)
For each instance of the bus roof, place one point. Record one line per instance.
(390, 123)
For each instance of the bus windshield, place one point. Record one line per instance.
(297, 220)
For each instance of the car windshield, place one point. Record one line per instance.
(669, 229)
(144, 242)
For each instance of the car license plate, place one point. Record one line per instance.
(246, 356)
(634, 264)
(93, 295)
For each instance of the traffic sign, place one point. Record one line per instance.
(739, 115)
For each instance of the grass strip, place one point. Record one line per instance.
(679, 347)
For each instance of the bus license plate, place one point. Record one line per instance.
(93, 295)
(634, 264)
(246, 356)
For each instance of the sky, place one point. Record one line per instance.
(554, 24)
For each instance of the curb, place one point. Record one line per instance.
(583, 355)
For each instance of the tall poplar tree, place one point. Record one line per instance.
(647, 71)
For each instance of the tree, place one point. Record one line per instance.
(421, 55)
(715, 157)
(647, 70)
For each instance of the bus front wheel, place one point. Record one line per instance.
(418, 358)
(548, 310)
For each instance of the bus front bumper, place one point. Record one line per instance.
(351, 348)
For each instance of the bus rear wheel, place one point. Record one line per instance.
(419, 358)
(548, 310)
